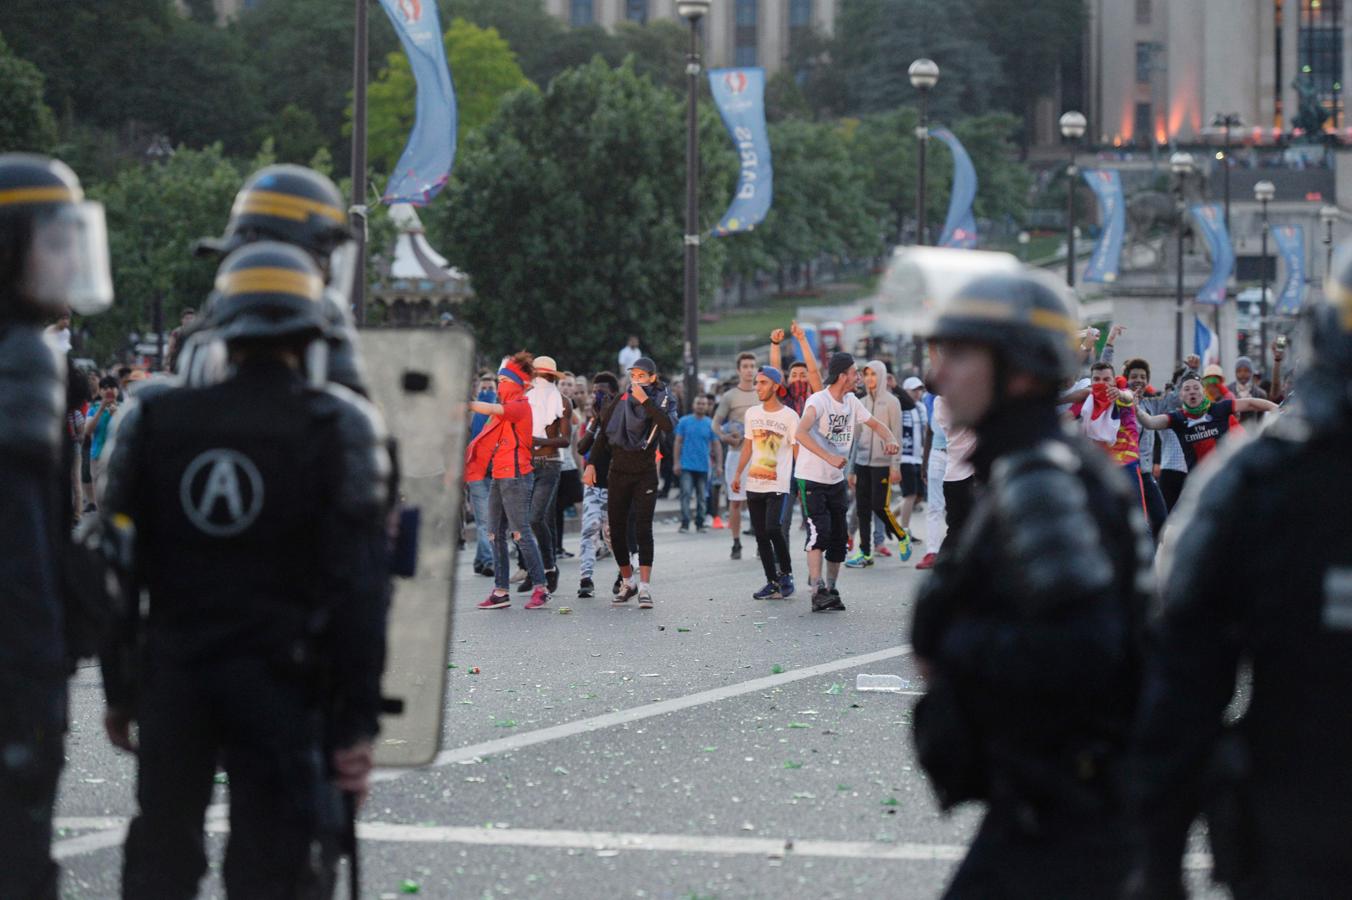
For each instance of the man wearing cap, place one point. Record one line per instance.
(766, 459)
(628, 432)
(552, 429)
(826, 431)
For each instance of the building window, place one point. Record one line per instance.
(1142, 12)
(581, 13)
(745, 33)
(636, 11)
(1145, 52)
(800, 21)
(1319, 60)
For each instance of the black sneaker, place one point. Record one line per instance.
(552, 580)
(526, 586)
(821, 599)
(736, 549)
(564, 554)
(684, 529)
(615, 588)
(585, 588)
(835, 604)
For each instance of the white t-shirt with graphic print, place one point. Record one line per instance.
(835, 422)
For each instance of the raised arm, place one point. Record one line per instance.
(776, 357)
(814, 373)
(1253, 404)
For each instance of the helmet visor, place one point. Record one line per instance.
(67, 262)
(920, 280)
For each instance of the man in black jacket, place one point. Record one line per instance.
(628, 433)
(1027, 631)
(253, 512)
(1274, 785)
(52, 254)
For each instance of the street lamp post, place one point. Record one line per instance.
(692, 11)
(1073, 125)
(1024, 239)
(1328, 215)
(1181, 164)
(924, 75)
(1263, 192)
(358, 212)
(1226, 121)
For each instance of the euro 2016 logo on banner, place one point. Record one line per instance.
(735, 82)
(411, 10)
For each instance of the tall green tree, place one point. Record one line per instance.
(483, 69)
(26, 122)
(567, 213)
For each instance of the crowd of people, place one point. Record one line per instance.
(864, 444)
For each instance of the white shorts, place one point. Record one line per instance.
(729, 466)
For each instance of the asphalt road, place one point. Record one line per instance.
(714, 747)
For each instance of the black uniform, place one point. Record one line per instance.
(1275, 786)
(34, 515)
(1030, 626)
(259, 512)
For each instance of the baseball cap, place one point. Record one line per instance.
(776, 376)
(912, 383)
(643, 362)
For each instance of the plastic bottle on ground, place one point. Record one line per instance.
(890, 683)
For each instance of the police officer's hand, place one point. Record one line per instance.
(352, 768)
(589, 476)
(117, 723)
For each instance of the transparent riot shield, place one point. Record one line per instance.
(420, 379)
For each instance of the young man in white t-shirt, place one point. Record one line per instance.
(827, 433)
(766, 464)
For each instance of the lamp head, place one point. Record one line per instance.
(1264, 191)
(692, 9)
(1181, 163)
(924, 74)
(1073, 125)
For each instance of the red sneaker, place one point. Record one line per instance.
(538, 597)
(881, 550)
(496, 601)
(718, 522)
(927, 562)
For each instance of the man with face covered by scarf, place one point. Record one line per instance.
(628, 432)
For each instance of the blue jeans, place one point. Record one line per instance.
(543, 494)
(478, 500)
(509, 513)
(693, 484)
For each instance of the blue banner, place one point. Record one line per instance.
(1291, 247)
(1107, 256)
(960, 226)
(1205, 344)
(426, 162)
(740, 95)
(1210, 219)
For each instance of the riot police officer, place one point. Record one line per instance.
(299, 206)
(1272, 779)
(252, 512)
(53, 253)
(1026, 631)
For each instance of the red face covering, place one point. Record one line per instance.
(1099, 394)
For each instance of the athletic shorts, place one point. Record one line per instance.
(910, 479)
(828, 508)
(729, 465)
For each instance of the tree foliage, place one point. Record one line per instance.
(26, 122)
(484, 70)
(568, 214)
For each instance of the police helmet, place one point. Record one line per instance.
(53, 242)
(1028, 318)
(268, 291)
(285, 203)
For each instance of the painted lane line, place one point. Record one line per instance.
(639, 713)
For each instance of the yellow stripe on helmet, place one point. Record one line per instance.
(286, 206)
(270, 280)
(48, 194)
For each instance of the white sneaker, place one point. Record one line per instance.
(518, 576)
(645, 597)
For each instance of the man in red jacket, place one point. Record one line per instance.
(503, 448)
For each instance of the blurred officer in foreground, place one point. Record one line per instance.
(301, 207)
(53, 254)
(1272, 780)
(1027, 630)
(252, 512)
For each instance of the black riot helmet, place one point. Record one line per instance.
(285, 203)
(53, 242)
(268, 291)
(1028, 318)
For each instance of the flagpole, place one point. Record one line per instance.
(357, 211)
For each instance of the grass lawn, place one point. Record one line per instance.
(757, 322)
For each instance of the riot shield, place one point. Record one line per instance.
(420, 379)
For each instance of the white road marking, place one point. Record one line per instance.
(112, 836)
(611, 841)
